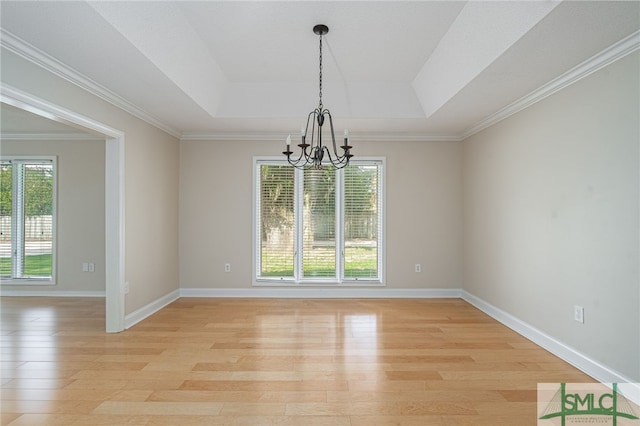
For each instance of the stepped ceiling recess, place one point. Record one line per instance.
(432, 69)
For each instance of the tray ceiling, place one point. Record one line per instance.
(222, 67)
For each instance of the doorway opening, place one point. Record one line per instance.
(114, 192)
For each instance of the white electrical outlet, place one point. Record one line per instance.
(126, 287)
(85, 267)
(227, 267)
(418, 267)
(578, 313)
(92, 267)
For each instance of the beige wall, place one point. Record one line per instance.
(151, 180)
(551, 215)
(80, 206)
(423, 196)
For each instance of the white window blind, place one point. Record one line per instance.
(276, 247)
(362, 226)
(319, 226)
(27, 224)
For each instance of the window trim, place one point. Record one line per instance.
(380, 281)
(54, 218)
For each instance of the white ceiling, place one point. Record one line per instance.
(390, 67)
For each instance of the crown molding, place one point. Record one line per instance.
(408, 137)
(50, 137)
(606, 57)
(609, 55)
(280, 137)
(233, 137)
(34, 55)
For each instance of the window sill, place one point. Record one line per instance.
(302, 284)
(26, 281)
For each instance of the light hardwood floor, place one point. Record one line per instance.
(270, 362)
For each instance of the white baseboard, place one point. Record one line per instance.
(139, 314)
(322, 293)
(51, 293)
(598, 371)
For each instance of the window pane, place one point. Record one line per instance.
(276, 221)
(6, 183)
(361, 221)
(319, 223)
(38, 220)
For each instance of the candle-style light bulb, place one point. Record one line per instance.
(288, 142)
(346, 133)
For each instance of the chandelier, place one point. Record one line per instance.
(313, 154)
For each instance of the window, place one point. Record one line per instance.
(27, 220)
(318, 226)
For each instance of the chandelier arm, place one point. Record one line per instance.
(303, 148)
(346, 155)
(297, 161)
(333, 136)
(306, 128)
(300, 162)
(314, 139)
(338, 162)
(301, 166)
(306, 131)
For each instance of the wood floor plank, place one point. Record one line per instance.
(159, 408)
(397, 421)
(285, 362)
(239, 396)
(383, 408)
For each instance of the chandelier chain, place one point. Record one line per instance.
(320, 76)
